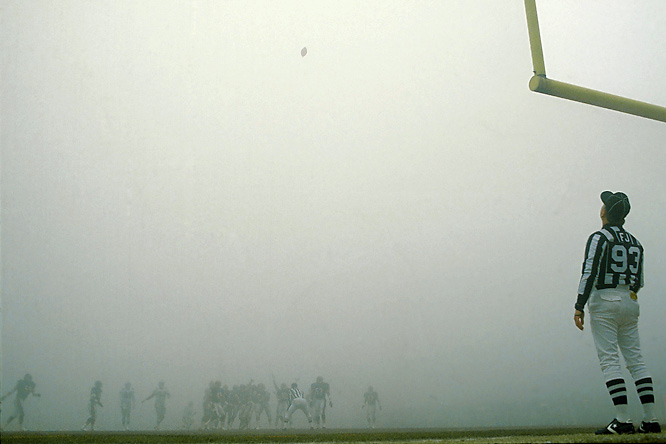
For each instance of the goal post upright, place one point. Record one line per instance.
(541, 84)
(535, 38)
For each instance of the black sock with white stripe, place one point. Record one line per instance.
(646, 395)
(618, 393)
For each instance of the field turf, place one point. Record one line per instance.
(397, 436)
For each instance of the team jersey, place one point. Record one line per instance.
(24, 388)
(371, 398)
(319, 390)
(613, 257)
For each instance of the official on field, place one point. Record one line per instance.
(611, 277)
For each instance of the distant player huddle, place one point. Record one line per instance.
(222, 406)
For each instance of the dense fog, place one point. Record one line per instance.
(187, 198)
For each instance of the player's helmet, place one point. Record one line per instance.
(98, 383)
(128, 385)
(27, 377)
(160, 384)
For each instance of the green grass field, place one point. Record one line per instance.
(541, 435)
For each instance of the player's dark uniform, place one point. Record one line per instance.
(319, 391)
(94, 401)
(23, 388)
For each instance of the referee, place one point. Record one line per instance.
(296, 402)
(612, 275)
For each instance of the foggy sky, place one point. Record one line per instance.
(186, 198)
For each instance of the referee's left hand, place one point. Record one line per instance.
(579, 319)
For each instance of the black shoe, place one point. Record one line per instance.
(649, 427)
(616, 428)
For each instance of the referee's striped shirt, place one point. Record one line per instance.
(613, 257)
(294, 393)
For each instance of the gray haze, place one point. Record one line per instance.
(186, 198)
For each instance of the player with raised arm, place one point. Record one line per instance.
(611, 277)
(282, 396)
(94, 401)
(370, 404)
(320, 393)
(23, 388)
(160, 394)
(127, 402)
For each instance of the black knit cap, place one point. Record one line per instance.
(617, 206)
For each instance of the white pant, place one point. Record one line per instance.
(614, 324)
(298, 404)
